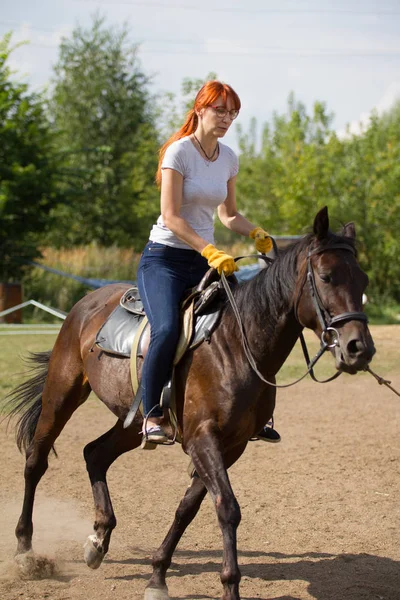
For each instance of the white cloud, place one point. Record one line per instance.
(54, 38)
(389, 98)
(30, 61)
(40, 37)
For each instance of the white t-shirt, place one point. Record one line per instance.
(205, 187)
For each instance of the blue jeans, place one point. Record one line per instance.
(163, 276)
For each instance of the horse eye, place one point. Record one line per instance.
(325, 278)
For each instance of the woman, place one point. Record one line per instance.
(197, 175)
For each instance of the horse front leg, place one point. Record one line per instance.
(99, 455)
(206, 453)
(187, 510)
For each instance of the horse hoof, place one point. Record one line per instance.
(156, 594)
(93, 554)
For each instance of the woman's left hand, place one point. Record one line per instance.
(262, 240)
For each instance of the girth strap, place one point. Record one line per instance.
(133, 360)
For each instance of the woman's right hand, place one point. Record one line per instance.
(219, 260)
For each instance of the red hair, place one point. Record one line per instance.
(206, 96)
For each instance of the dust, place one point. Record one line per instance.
(58, 525)
(34, 566)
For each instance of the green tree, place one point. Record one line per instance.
(373, 200)
(302, 166)
(257, 174)
(104, 114)
(288, 178)
(27, 170)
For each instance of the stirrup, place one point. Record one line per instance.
(154, 436)
(146, 445)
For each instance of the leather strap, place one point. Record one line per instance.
(137, 388)
(133, 363)
(349, 316)
(134, 408)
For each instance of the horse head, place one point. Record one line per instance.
(329, 297)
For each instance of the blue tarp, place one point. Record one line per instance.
(244, 274)
(89, 281)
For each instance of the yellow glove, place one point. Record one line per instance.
(219, 260)
(262, 240)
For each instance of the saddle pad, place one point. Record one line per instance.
(117, 334)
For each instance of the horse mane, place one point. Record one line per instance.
(271, 290)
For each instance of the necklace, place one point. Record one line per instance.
(209, 158)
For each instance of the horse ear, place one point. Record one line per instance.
(349, 230)
(321, 223)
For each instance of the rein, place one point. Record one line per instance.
(249, 355)
(329, 336)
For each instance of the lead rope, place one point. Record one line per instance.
(381, 380)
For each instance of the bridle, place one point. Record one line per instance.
(329, 335)
(327, 322)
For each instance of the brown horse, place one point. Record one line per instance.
(221, 399)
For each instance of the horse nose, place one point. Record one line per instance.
(360, 351)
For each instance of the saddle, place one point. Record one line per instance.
(126, 332)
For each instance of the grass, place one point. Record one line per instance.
(12, 350)
(385, 362)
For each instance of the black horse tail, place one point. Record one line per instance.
(27, 399)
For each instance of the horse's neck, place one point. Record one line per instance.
(270, 326)
(286, 334)
(272, 339)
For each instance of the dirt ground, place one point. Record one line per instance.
(320, 510)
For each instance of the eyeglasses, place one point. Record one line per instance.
(221, 112)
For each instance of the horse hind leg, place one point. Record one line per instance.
(60, 398)
(99, 455)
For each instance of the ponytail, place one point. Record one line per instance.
(189, 126)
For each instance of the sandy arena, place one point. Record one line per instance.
(320, 510)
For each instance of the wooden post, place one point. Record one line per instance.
(11, 295)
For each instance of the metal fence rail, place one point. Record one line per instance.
(53, 311)
(37, 328)
(31, 329)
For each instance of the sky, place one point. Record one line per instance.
(345, 53)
